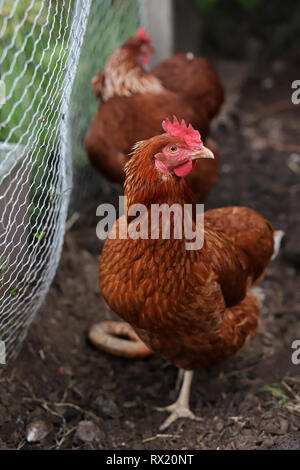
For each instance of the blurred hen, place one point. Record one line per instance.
(135, 101)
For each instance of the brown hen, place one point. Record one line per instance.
(195, 307)
(134, 103)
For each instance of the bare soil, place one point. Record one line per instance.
(64, 394)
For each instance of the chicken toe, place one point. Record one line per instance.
(178, 412)
(180, 409)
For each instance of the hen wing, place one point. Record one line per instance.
(249, 231)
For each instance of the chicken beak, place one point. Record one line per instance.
(203, 153)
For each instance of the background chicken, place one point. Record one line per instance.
(134, 103)
(197, 80)
(194, 307)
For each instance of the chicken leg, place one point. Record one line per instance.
(179, 380)
(180, 409)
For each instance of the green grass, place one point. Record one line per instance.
(278, 393)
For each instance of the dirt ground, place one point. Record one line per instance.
(64, 394)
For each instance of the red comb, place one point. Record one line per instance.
(188, 133)
(142, 34)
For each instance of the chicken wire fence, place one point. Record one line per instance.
(45, 46)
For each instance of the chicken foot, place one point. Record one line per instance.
(180, 409)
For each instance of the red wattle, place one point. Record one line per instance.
(185, 169)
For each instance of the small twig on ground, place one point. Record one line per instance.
(291, 391)
(45, 404)
(292, 404)
(29, 389)
(21, 444)
(70, 405)
(292, 379)
(279, 146)
(66, 433)
(159, 436)
(281, 105)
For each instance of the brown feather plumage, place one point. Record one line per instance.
(192, 307)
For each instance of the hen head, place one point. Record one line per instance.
(180, 157)
(141, 45)
(158, 165)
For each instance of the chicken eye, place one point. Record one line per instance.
(173, 148)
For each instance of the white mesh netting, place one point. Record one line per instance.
(40, 46)
(42, 129)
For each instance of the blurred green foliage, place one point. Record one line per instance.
(33, 55)
(243, 28)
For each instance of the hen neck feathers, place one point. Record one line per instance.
(124, 76)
